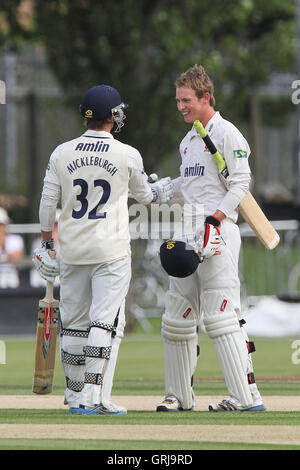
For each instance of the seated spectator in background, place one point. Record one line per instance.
(11, 251)
(11, 245)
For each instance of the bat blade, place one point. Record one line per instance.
(256, 219)
(248, 207)
(45, 349)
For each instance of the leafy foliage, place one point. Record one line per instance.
(14, 27)
(141, 47)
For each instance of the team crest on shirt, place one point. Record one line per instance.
(239, 154)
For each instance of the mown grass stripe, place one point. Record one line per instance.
(211, 433)
(137, 446)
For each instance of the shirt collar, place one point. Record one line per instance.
(214, 119)
(209, 126)
(99, 134)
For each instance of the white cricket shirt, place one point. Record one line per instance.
(91, 175)
(199, 182)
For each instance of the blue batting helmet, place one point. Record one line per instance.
(178, 258)
(99, 102)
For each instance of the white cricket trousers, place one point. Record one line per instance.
(92, 297)
(218, 273)
(211, 295)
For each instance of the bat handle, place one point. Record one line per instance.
(52, 254)
(152, 178)
(49, 285)
(49, 292)
(220, 162)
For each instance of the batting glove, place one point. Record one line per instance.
(162, 190)
(47, 266)
(210, 239)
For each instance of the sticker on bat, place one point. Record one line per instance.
(47, 331)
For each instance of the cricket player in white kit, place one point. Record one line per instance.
(91, 176)
(212, 291)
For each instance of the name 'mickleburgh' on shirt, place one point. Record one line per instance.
(91, 161)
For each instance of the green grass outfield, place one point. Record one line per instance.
(140, 371)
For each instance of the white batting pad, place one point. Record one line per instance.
(73, 364)
(256, 396)
(111, 364)
(180, 351)
(95, 366)
(222, 325)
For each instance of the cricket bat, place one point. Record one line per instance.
(248, 207)
(45, 349)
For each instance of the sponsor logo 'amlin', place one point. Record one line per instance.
(196, 170)
(99, 146)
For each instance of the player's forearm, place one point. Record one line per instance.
(139, 187)
(47, 216)
(48, 204)
(46, 235)
(234, 196)
(219, 215)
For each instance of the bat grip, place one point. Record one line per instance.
(220, 162)
(210, 145)
(152, 178)
(49, 285)
(52, 254)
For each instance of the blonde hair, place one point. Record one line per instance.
(197, 79)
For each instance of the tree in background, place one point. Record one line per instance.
(140, 47)
(16, 22)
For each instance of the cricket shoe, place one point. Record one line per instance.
(228, 404)
(110, 409)
(75, 410)
(171, 403)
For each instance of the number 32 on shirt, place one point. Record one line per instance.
(94, 213)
